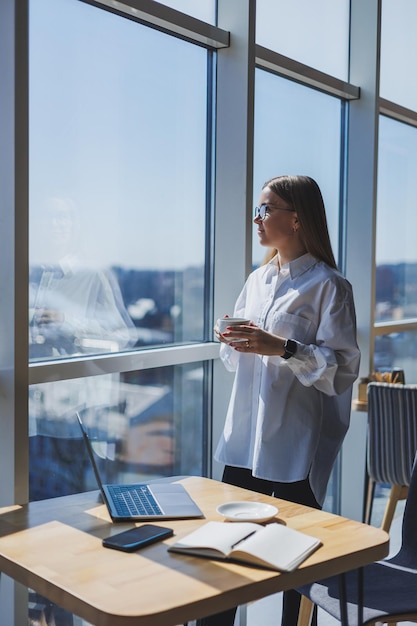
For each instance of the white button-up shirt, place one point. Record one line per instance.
(287, 418)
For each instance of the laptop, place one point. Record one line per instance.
(142, 501)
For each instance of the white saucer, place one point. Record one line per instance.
(247, 511)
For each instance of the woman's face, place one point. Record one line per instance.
(277, 228)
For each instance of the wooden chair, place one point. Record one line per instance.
(392, 443)
(389, 586)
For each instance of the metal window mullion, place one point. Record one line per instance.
(167, 20)
(397, 112)
(395, 326)
(234, 177)
(207, 396)
(363, 167)
(14, 249)
(13, 278)
(209, 196)
(289, 68)
(362, 153)
(96, 365)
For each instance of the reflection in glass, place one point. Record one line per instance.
(314, 33)
(144, 425)
(117, 196)
(396, 252)
(297, 131)
(73, 309)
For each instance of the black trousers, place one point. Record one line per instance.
(299, 492)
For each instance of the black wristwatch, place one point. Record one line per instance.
(290, 348)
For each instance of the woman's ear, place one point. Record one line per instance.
(295, 223)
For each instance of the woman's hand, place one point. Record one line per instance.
(251, 338)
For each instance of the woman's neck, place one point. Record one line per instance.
(285, 256)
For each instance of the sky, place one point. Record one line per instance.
(120, 134)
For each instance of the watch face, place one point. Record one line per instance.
(290, 348)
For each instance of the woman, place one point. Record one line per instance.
(295, 362)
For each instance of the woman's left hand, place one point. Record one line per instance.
(251, 338)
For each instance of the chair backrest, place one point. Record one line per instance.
(392, 432)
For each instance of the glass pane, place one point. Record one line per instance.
(397, 351)
(297, 131)
(399, 52)
(203, 9)
(144, 425)
(396, 252)
(117, 183)
(314, 33)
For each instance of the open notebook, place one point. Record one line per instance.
(273, 546)
(141, 501)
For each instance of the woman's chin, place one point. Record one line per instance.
(263, 241)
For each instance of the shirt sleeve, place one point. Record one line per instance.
(331, 364)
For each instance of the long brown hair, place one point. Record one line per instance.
(304, 195)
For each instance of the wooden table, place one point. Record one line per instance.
(54, 547)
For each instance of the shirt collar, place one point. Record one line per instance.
(297, 266)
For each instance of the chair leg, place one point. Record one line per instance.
(306, 612)
(394, 496)
(370, 490)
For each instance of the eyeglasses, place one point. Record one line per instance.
(262, 211)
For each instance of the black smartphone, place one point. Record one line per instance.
(136, 538)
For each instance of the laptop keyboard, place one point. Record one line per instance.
(134, 500)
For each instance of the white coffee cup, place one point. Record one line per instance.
(224, 322)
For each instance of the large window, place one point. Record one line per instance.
(396, 254)
(395, 314)
(118, 156)
(143, 425)
(399, 52)
(118, 238)
(307, 32)
(297, 131)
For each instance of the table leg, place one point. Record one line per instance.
(344, 620)
(343, 600)
(360, 595)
